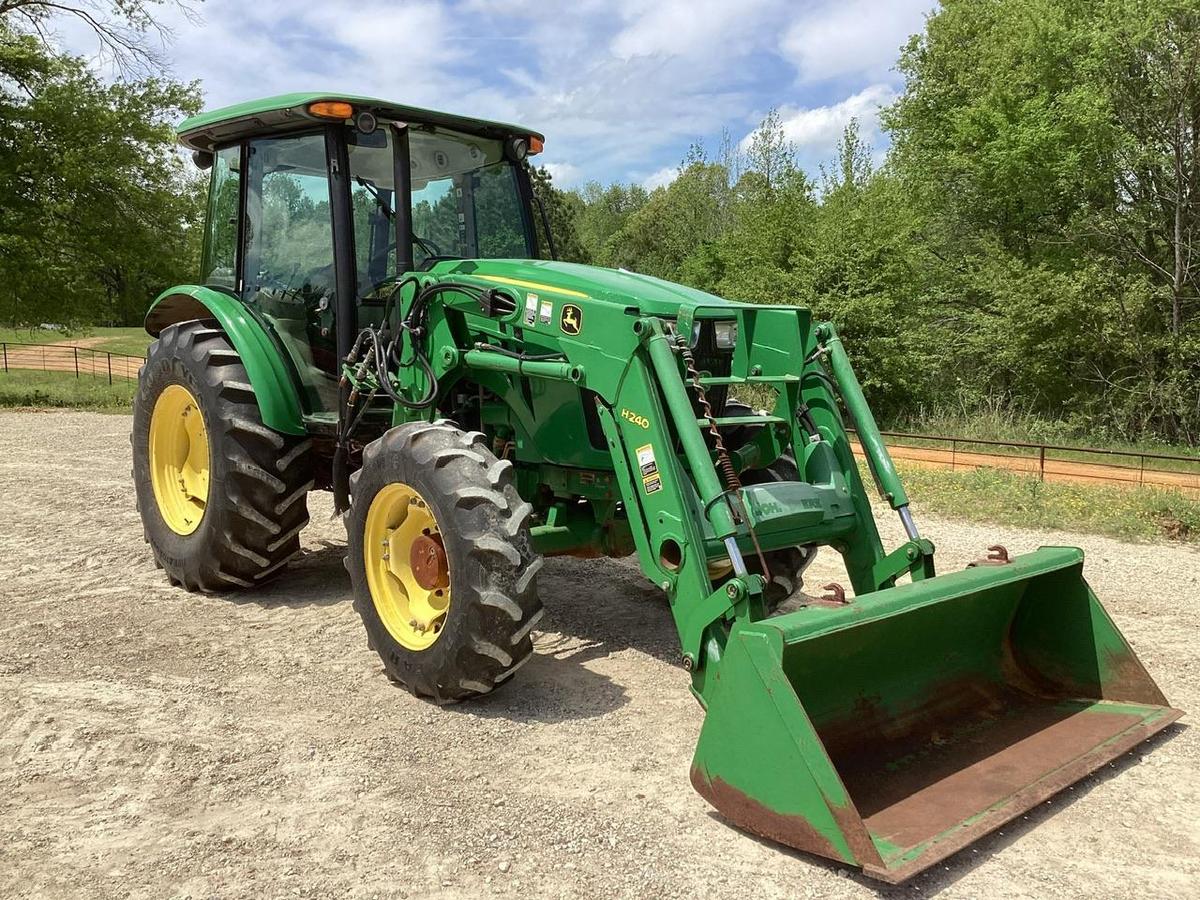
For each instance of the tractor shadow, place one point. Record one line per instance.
(316, 577)
(593, 609)
(949, 871)
(609, 605)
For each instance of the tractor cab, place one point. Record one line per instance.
(318, 206)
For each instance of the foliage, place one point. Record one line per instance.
(1053, 147)
(1030, 239)
(97, 212)
(600, 212)
(560, 211)
(126, 31)
(131, 341)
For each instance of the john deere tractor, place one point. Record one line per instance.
(380, 315)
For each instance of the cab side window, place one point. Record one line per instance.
(220, 243)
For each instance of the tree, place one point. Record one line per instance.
(97, 209)
(600, 212)
(126, 30)
(677, 219)
(1052, 143)
(560, 212)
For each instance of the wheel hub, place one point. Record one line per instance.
(428, 561)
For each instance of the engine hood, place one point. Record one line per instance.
(653, 296)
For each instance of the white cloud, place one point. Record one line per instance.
(619, 87)
(684, 27)
(661, 178)
(565, 175)
(815, 131)
(856, 37)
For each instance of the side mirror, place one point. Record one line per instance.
(203, 159)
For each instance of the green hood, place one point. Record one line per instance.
(652, 296)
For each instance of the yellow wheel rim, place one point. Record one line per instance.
(407, 571)
(179, 460)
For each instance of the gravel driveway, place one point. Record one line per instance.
(157, 743)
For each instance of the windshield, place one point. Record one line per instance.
(466, 200)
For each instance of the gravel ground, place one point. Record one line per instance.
(157, 743)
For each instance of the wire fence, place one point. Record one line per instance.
(1047, 462)
(83, 362)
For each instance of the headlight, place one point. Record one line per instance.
(726, 335)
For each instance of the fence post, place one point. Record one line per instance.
(109, 355)
(1042, 463)
(5, 358)
(1141, 469)
(953, 453)
(76, 350)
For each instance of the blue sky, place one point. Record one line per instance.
(619, 87)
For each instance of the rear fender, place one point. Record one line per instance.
(270, 376)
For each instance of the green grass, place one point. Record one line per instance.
(1009, 498)
(131, 341)
(62, 390)
(1004, 423)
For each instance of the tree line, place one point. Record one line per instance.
(1028, 240)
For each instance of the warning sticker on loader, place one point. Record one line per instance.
(646, 461)
(531, 301)
(651, 480)
(546, 312)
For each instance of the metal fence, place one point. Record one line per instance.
(83, 362)
(1048, 462)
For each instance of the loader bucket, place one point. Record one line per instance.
(893, 731)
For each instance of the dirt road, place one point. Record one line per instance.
(155, 743)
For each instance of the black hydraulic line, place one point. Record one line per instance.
(525, 357)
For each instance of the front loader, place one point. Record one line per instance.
(375, 317)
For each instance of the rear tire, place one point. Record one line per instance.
(483, 630)
(258, 479)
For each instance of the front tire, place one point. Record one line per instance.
(443, 571)
(222, 497)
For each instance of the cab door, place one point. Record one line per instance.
(288, 275)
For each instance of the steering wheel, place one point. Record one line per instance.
(430, 248)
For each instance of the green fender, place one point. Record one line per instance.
(278, 399)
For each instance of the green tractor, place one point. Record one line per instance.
(377, 317)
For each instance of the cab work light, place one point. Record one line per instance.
(331, 109)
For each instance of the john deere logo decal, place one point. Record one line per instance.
(570, 320)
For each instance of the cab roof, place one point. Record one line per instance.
(288, 112)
